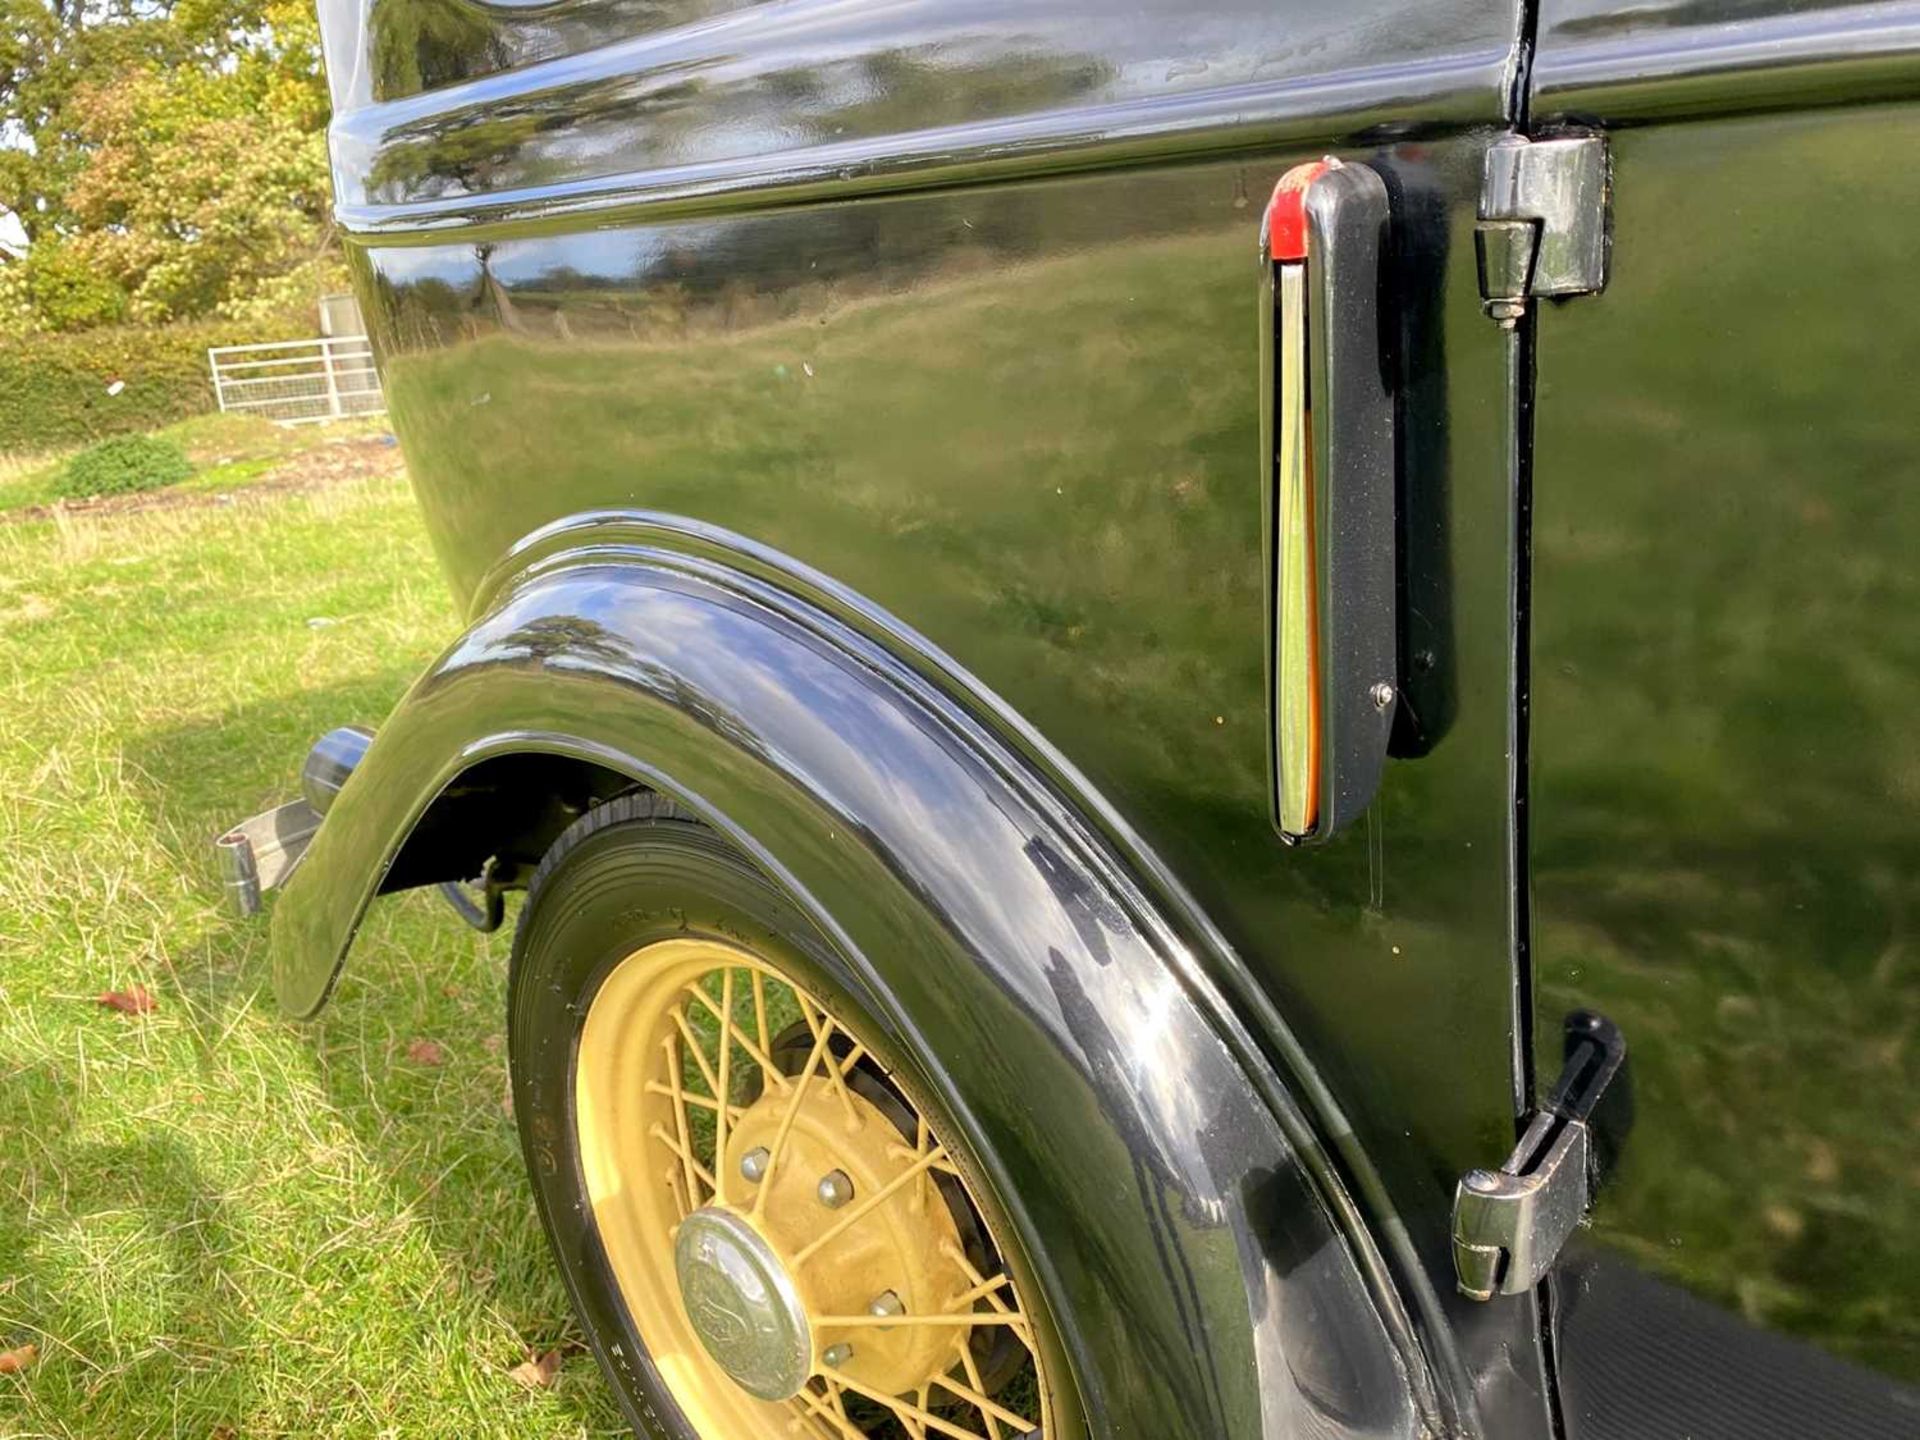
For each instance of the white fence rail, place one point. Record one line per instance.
(298, 382)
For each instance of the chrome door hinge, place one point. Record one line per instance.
(1543, 221)
(1509, 1224)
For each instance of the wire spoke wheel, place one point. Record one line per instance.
(799, 1250)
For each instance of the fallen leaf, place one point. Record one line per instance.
(12, 1362)
(134, 1000)
(224, 1432)
(426, 1052)
(536, 1372)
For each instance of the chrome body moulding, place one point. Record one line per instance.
(1232, 119)
(926, 832)
(1597, 61)
(577, 110)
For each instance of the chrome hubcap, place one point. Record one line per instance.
(743, 1304)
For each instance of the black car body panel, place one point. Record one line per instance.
(937, 320)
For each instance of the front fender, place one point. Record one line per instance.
(1162, 1197)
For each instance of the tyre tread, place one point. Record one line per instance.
(631, 807)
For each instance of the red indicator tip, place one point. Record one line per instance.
(1287, 211)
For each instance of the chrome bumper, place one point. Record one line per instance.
(259, 853)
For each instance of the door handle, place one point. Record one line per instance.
(1328, 462)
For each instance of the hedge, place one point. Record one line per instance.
(53, 388)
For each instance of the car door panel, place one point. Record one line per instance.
(1725, 826)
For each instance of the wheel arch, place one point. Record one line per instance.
(817, 737)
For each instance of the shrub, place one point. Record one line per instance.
(123, 465)
(58, 390)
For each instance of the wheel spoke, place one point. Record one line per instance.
(973, 1378)
(760, 1027)
(694, 1166)
(834, 1415)
(671, 1175)
(866, 1206)
(701, 1102)
(989, 1291)
(722, 1093)
(922, 1142)
(834, 1075)
(786, 1120)
(982, 1402)
(984, 1290)
(894, 1322)
(698, 1050)
(758, 1053)
(915, 1430)
(902, 1408)
(685, 1148)
(837, 1397)
(983, 1286)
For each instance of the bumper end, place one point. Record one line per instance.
(259, 853)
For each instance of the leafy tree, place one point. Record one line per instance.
(167, 158)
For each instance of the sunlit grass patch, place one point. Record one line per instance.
(213, 1221)
(228, 452)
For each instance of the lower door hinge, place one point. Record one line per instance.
(1543, 221)
(1509, 1224)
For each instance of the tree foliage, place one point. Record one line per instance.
(167, 158)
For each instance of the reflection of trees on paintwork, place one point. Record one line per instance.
(908, 90)
(679, 281)
(559, 643)
(424, 44)
(706, 110)
(1609, 18)
(467, 154)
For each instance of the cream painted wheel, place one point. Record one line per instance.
(798, 1248)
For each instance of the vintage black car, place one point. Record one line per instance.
(1207, 709)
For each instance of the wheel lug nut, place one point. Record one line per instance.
(753, 1164)
(835, 1190)
(838, 1355)
(887, 1303)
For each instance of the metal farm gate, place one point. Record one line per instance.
(298, 382)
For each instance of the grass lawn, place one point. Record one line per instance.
(214, 1222)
